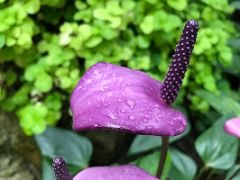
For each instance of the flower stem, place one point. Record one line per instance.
(164, 150)
(202, 170)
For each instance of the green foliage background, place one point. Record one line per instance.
(47, 45)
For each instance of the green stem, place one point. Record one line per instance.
(164, 149)
(210, 175)
(202, 170)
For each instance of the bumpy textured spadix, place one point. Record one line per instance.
(60, 169)
(180, 61)
(110, 96)
(232, 127)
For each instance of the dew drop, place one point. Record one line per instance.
(112, 116)
(146, 116)
(171, 123)
(103, 99)
(101, 88)
(149, 127)
(145, 120)
(114, 126)
(119, 100)
(130, 103)
(131, 117)
(122, 110)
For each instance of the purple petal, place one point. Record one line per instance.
(232, 127)
(110, 96)
(126, 172)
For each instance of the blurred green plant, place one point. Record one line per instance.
(47, 45)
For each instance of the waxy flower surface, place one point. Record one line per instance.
(115, 97)
(125, 172)
(232, 127)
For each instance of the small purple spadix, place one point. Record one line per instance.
(232, 127)
(115, 97)
(125, 172)
(60, 169)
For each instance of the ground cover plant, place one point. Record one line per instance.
(47, 46)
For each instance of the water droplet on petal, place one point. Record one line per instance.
(119, 100)
(114, 126)
(149, 127)
(112, 115)
(171, 122)
(146, 116)
(101, 88)
(122, 110)
(103, 99)
(131, 117)
(130, 103)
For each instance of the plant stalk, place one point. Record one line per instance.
(202, 170)
(164, 150)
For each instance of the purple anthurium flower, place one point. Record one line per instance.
(114, 97)
(110, 96)
(125, 172)
(232, 127)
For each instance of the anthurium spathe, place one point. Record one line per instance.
(232, 126)
(125, 172)
(115, 97)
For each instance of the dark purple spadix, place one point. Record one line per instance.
(60, 169)
(180, 61)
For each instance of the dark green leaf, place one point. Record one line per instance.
(76, 150)
(233, 173)
(235, 4)
(149, 163)
(47, 170)
(217, 149)
(183, 167)
(221, 103)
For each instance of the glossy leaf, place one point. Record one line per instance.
(149, 163)
(183, 167)
(47, 171)
(217, 149)
(75, 149)
(233, 173)
(221, 103)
